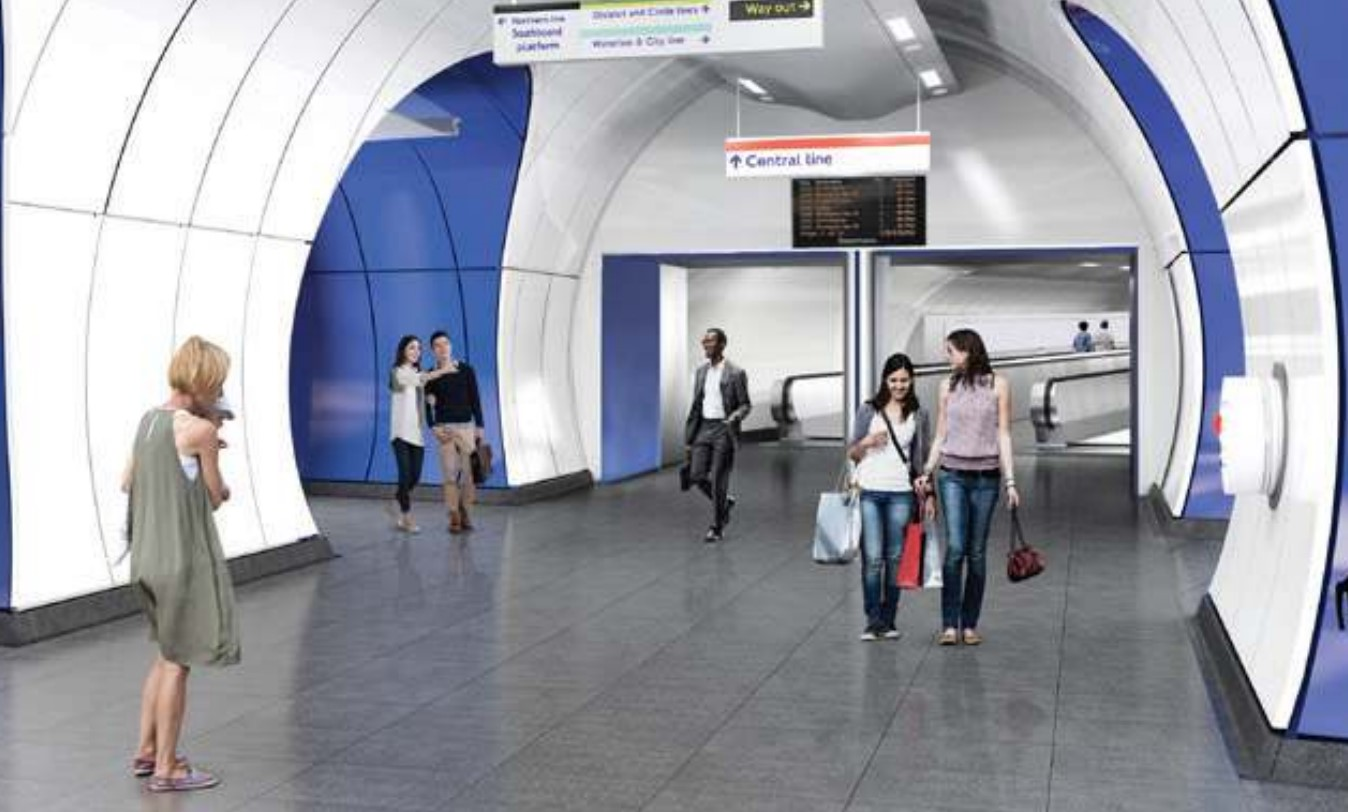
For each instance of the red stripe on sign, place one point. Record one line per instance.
(827, 142)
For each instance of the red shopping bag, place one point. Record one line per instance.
(910, 560)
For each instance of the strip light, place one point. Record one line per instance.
(901, 29)
(752, 86)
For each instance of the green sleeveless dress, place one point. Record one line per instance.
(177, 567)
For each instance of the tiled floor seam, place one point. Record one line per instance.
(746, 700)
(889, 723)
(787, 560)
(1062, 661)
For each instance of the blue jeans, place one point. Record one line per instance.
(884, 515)
(967, 500)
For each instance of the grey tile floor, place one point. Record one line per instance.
(593, 654)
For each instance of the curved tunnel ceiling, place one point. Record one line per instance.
(860, 73)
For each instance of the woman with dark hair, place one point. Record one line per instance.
(888, 441)
(972, 450)
(407, 404)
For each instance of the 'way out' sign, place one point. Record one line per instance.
(829, 156)
(585, 29)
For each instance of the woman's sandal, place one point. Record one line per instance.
(143, 767)
(193, 780)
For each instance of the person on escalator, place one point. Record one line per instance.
(1083, 342)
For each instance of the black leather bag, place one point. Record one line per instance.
(481, 462)
(1022, 561)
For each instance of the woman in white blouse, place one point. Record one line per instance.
(888, 442)
(407, 410)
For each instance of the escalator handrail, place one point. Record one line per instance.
(1051, 383)
(928, 370)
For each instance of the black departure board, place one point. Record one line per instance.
(858, 212)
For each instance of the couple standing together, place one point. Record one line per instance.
(445, 397)
(964, 466)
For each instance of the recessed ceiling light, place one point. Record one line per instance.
(912, 47)
(752, 86)
(940, 91)
(901, 29)
(1125, 267)
(1090, 264)
(930, 78)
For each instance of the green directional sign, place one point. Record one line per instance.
(758, 10)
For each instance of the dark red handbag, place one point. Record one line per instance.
(1023, 561)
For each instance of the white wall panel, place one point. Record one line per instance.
(1284, 276)
(676, 343)
(1272, 55)
(48, 273)
(1190, 413)
(83, 95)
(212, 295)
(563, 432)
(184, 107)
(278, 270)
(269, 104)
(27, 24)
(317, 154)
(130, 343)
(524, 396)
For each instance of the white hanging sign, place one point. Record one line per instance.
(564, 31)
(829, 156)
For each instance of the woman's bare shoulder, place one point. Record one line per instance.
(191, 432)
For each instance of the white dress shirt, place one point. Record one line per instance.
(713, 405)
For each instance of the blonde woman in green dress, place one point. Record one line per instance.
(178, 570)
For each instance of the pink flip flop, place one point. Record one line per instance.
(195, 779)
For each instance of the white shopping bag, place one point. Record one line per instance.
(932, 559)
(837, 527)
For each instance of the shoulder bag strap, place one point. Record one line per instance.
(895, 440)
(1017, 533)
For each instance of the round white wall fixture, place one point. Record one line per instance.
(1252, 425)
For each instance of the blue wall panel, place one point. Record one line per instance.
(463, 170)
(336, 247)
(481, 300)
(332, 367)
(1204, 232)
(1219, 304)
(419, 223)
(631, 374)
(1315, 31)
(508, 89)
(396, 210)
(419, 303)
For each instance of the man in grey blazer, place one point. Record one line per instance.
(720, 404)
